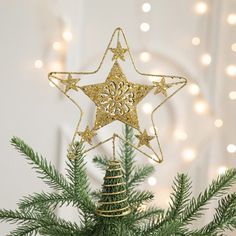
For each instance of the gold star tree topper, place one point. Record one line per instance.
(116, 99)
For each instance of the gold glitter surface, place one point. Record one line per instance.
(162, 87)
(116, 98)
(87, 135)
(70, 83)
(118, 52)
(144, 139)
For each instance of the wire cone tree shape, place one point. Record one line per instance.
(114, 200)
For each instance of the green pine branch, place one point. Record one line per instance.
(26, 230)
(140, 175)
(47, 172)
(217, 188)
(77, 175)
(179, 197)
(43, 199)
(101, 161)
(224, 217)
(127, 155)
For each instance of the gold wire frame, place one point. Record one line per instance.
(181, 82)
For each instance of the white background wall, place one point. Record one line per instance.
(34, 111)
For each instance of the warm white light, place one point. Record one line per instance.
(56, 66)
(233, 47)
(147, 108)
(145, 56)
(67, 35)
(38, 64)
(231, 148)
(231, 19)
(200, 107)
(146, 7)
(221, 170)
(231, 70)
(57, 46)
(188, 154)
(196, 41)
(201, 7)
(218, 123)
(194, 89)
(152, 181)
(52, 84)
(145, 27)
(180, 134)
(206, 59)
(232, 95)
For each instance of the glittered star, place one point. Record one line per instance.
(118, 52)
(87, 135)
(70, 83)
(161, 87)
(116, 98)
(144, 139)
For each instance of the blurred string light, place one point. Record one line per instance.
(200, 107)
(231, 148)
(147, 108)
(231, 70)
(38, 64)
(145, 27)
(146, 7)
(67, 35)
(233, 47)
(232, 95)
(221, 170)
(188, 154)
(180, 134)
(206, 59)
(231, 19)
(196, 41)
(56, 66)
(145, 56)
(152, 181)
(218, 123)
(201, 8)
(57, 46)
(194, 89)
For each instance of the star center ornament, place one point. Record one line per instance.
(116, 99)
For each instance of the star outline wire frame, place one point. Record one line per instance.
(183, 82)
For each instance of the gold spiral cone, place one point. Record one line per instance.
(114, 200)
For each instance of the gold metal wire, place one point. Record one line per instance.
(182, 82)
(113, 193)
(115, 215)
(115, 210)
(114, 202)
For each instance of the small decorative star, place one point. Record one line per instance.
(144, 139)
(161, 87)
(70, 83)
(87, 135)
(118, 52)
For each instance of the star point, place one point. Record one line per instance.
(118, 52)
(87, 135)
(144, 139)
(70, 83)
